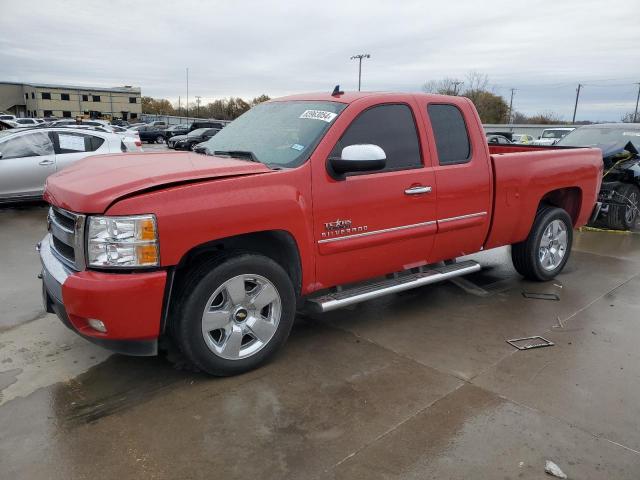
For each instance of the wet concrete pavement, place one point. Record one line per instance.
(417, 385)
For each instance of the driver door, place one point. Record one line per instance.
(373, 223)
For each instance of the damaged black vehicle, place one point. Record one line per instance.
(620, 191)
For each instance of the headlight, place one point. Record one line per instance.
(123, 242)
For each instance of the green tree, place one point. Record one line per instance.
(160, 106)
(492, 108)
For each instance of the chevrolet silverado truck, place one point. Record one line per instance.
(313, 201)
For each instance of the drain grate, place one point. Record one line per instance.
(541, 296)
(527, 343)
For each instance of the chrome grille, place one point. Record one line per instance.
(67, 231)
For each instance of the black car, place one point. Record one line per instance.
(620, 190)
(494, 138)
(207, 124)
(175, 130)
(187, 142)
(151, 134)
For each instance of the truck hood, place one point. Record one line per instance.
(93, 184)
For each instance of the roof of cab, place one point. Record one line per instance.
(349, 97)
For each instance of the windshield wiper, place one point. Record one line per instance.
(241, 154)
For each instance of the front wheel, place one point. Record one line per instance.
(235, 314)
(159, 139)
(544, 253)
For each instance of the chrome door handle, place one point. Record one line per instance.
(417, 190)
(45, 162)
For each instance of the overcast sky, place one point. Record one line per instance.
(246, 48)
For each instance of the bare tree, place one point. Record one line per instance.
(446, 86)
(477, 82)
(628, 117)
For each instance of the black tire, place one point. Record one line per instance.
(624, 214)
(159, 139)
(525, 255)
(186, 322)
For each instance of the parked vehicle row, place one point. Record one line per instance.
(29, 155)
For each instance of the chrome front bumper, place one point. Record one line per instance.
(54, 272)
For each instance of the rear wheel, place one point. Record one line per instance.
(546, 250)
(159, 139)
(235, 314)
(624, 214)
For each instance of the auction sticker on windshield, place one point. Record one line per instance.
(319, 115)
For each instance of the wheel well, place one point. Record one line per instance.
(278, 245)
(569, 199)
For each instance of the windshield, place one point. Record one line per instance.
(281, 134)
(594, 136)
(554, 133)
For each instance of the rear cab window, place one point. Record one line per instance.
(450, 132)
(392, 127)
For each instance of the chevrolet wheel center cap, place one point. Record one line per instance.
(241, 315)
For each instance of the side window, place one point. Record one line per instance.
(392, 128)
(450, 131)
(34, 144)
(77, 142)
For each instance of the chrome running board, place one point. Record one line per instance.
(361, 293)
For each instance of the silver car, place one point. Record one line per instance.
(28, 156)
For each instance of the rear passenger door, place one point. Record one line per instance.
(373, 223)
(73, 146)
(462, 175)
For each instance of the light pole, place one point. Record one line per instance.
(187, 94)
(360, 57)
(513, 90)
(575, 109)
(635, 114)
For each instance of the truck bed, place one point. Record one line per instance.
(521, 178)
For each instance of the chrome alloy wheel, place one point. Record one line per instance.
(553, 245)
(241, 316)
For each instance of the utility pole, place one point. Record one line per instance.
(509, 120)
(635, 114)
(187, 94)
(360, 57)
(575, 109)
(198, 105)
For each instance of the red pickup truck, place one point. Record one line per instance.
(317, 201)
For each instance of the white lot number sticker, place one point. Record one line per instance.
(71, 142)
(319, 115)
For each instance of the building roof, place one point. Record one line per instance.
(75, 87)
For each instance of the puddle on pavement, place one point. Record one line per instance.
(116, 385)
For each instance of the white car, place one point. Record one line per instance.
(6, 116)
(130, 138)
(26, 122)
(28, 156)
(550, 136)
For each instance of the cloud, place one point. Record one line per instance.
(245, 48)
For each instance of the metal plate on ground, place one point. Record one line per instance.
(541, 296)
(527, 343)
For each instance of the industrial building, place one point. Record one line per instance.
(67, 101)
